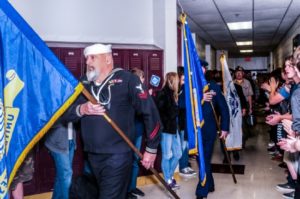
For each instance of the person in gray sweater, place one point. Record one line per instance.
(60, 140)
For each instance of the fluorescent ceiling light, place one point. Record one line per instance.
(240, 25)
(246, 51)
(244, 43)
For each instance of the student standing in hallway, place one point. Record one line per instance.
(167, 104)
(184, 169)
(248, 93)
(60, 140)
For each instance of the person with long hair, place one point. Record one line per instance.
(292, 125)
(167, 104)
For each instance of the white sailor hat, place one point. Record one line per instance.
(97, 49)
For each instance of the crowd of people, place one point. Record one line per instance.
(160, 117)
(282, 91)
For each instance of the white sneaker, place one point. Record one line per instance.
(191, 170)
(187, 172)
(271, 144)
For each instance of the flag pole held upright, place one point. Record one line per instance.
(127, 140)
(195, 85)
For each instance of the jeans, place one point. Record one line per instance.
(63, 165)
(87, 167)
(184, 160)
(171, 153)
(135, 165)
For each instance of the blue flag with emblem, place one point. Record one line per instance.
(35, 89)
(194, 85)
(3, 176)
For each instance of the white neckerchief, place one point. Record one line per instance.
(97, 96)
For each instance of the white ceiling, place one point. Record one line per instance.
(271, 21)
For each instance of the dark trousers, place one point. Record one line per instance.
(297, 192)
(202, 191)
(112, 172)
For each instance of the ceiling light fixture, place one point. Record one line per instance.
(240, 25)
(246, 51)
(244, 43)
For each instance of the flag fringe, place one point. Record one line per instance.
(193, 151)
(204, 181)
(234, 148)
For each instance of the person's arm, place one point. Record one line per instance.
(207, 96)
(81, 106)
(224, 111)
(275, 98)
(287, 126)
(275, 118)
(143, 103)
(249, 96)
(295, 102)
(243, 100)
(250, 103)
(297, 145)
(290, 144)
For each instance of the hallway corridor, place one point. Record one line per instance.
(259, 181)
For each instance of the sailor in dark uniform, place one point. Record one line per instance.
(120, 94)
(209, 131)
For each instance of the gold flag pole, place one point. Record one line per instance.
(223, 145)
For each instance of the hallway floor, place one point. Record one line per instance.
(259, 181)
(261, 175)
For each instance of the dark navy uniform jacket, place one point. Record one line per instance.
(209, 129)
(122, 94)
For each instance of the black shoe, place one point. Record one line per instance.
(131, 196)
(225, 161)
(285, 188)
(243, 144)
(199, 197)
(290, 195)
(236, 156)
(137, 192)
(282, 165)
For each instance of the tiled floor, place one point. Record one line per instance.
(258, 182)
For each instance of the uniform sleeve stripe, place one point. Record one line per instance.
(155, 131)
